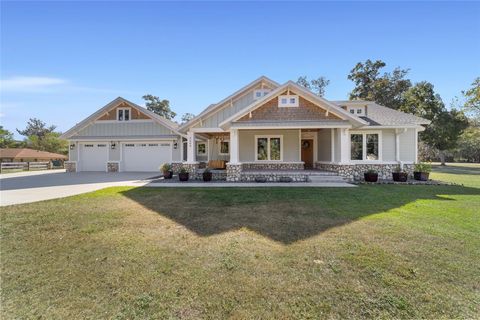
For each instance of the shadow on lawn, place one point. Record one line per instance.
(282, 214)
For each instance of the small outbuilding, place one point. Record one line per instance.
(29, 155)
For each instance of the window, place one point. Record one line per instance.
(288, 101)
(201, 149)
(224, 147)
(257, 94)
(352, 111)
(101, 145)
(153, 144)
(129, 145)
(268, 148)
(359, 111)
(88, 145)
(365, 147)
(123, 114)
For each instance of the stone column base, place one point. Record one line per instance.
(70, 166)
(113, 166)
(234, 171)
(191, 168)
(176, 166)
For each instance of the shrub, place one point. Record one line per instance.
(423, 167)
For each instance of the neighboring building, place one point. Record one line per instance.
(28, 155)
(262, 126)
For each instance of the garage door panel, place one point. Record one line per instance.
(146, 156)
(93, 157)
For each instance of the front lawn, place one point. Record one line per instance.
(386, 251)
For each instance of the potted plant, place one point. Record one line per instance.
(183, 174)
(207, 174)
(371, 176)
(421, 171)
(166, 168)
(400, 175)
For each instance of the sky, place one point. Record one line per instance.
(62, 61)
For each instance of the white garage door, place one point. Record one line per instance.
(146, 156)
(93, 156)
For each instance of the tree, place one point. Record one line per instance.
(6, 138)
(36, 127)
(421, 100)
(472, 96)
(316, 85)
(187, 117)
(386, 89)
(50, 142)
(445, 130)
(468, 145)
(160, 107)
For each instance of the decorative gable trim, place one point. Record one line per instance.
(112, 105)
(302, 92)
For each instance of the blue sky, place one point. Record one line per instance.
(61, 61)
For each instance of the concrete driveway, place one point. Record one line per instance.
(25, 187)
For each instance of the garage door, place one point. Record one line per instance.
(93, 157)
(145, 156)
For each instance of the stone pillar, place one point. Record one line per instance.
(70, 166)
(191, 143)
(234, 171)
(234, 147)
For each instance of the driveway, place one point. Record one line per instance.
(25, 187)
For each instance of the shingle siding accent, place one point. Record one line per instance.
(305, 111)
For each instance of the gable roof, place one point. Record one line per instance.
(305, 93)
(29, 153)
(216, 106)
(378, 115)
(84, 123)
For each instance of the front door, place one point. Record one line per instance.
(307, 153)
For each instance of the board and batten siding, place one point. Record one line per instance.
(126, 129)
(324, 145)
(407, 146)
(388, 145)
(227, 110)
(291, 144)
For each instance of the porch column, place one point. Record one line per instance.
(234, 146)
(398, 133)
(191, 147)
(344, 145)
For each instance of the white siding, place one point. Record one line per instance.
(291, 144)
(407, 146)
(98, 129)
(324, 144)
(388, 145)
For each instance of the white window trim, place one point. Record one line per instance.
(288, 104)
(268, 150)
(129, 114)
(263, 92)
(364, 146)
(206, 149)
(220, 148)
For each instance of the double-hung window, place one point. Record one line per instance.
(201, 149)
(268, 148)
(224, 147)
(123, 114)
(365, 146)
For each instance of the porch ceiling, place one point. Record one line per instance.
(297, 124)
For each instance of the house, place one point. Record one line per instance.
(263, 126)
(28, 155)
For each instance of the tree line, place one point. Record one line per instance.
(454, 133)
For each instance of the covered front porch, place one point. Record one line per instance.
(275, 153)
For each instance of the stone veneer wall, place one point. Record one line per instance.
(176, 166)
(113, 166)
(70, 166)
(191, 167)
(233, 172)
(354, 172)
(273, 166)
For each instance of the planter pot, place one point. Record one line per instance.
(167, 174)
(370, 177)
(183, 176)
(421, 176)
(400, 176)
(207, 176)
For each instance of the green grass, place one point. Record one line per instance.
(386, 251)
(467, 174)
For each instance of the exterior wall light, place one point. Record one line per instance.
(113, 145)
(175, 145)
(72, 146)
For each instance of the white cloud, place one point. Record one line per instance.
(28, 84)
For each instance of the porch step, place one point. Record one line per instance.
(326, 178)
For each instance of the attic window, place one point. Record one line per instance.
(286, 101)
(123, 114)
(257, 94)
